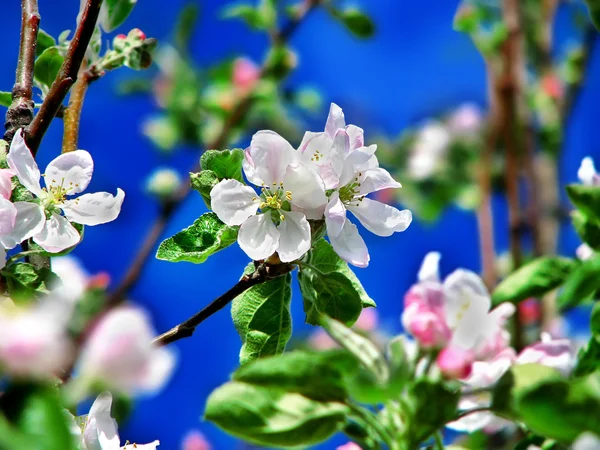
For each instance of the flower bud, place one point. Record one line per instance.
(455, 362)
(427, 327)
(349, 446)
(138, 34)
(163, 183)
(552, 86)
(245, 74)
(195, 440)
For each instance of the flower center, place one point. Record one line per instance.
(351, 192)
(275, 199)
(57, 193)
(317, 155)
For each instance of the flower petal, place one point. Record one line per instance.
(233, 202)
(311, 214)
(160, 368)
(8, 214)
(269, 155)
(350, 246)
(22, 163)
(94, 209)
(6, 183)
(379, 218)
(376, 179)
(587, 172)
(357, 137)
(306, 186)
(72, 171)
(258, 237)
(335, 120)
(294, 236)
(306, 140)
(430, 268)
(358, 161)
(315, 145)
(335, 215)
(100, 431)
(150, 446)
(57, 235)
(29, 221)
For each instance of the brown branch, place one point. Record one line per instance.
(20, 113)
(66, 77)
(263, 272)
(169, 208)
(72, 114)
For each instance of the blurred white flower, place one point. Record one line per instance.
(430, 147)
(465, 120)
(587, 172)
(74, 278)
(555, 353)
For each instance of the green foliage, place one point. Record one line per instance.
(594, 9)
(44, 41)
(581, 284)
(261, 316)
(26, 282)
(357, 22)
(262, 17)
(271, 417)
(5, 98)
(114, 13)
(206, 236)
(47, 66)
(586, 199)
(87, 309)
(587, 228)
(225, 163)
(588, 358)
(186, 23)
(203, 182)
(534, 279)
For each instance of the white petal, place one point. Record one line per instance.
(357, 138)
(430, 268)
(269, 155)
(160, 368)
(22, 163)
(6, 183)
(294, 236)
(29, 221)
(233, 202)
(335, 215)
(376, 179)
(339, 152)
(72, 171)
(311, 214)
(379, 218)
(57, 235)
(471, 323)
(306, 140)
(306, 186)
(8, 214)
(358, 161)
(258, 237)
(100, 432)
(350, 246)
(587, 172)
(461, 283)
(335, 120)
(314, 145)
(94, 209)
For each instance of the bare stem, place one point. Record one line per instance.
(20, 113)
(66, 77)
(263, 272)
(72, 114)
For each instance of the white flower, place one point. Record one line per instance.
(430, 146)
(288, 188)
(587, 172)
(584, 252)
(555, 353)
(586, 441)
(119, 353)
(66, 175)
(100, 431)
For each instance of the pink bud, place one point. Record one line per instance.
(245, 74)
(99, 281)
(195, 440)
(552, 86)
(427, 327)
(349, 446)
(120, 36)
(138, 34)
(530, 311)
(455, 362)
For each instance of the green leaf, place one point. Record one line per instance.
(358, 23)
(588, 229)
(47, 66)
(586, 199)
(595, 321)
(114, 13)
(247, 13)
(588, 358)
(186, 24)
(25, 281)
(316, 375)
(581, 284)
(203, 182)
(5, 98)
(273, 417)
(533, 279)
(44, 41)
(225, 163)
(206, 236)
(261, 316)
(594, 9)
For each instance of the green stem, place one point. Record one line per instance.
(439, 441)
(371, 420)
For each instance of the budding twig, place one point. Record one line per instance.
(263, 272)
(72, 114)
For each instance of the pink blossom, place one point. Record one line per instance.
(427, 327)
(455, 362)
(349, 446)
(245, 75)
(368, 320)
(556, 353)
(195, 440)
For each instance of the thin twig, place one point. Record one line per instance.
(66, 77)
(263, 272)
(169, 208)
(20, 113)
(466, 412)
(72, 114)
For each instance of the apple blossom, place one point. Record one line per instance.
(430, 146)
(100, 430)
(8, 211)
(465, 120)
(455, 362)
(555, 353)
(119, 353)
(287, 187)
(587, 172)
(74, 278)
(68, 174)
(245, 75)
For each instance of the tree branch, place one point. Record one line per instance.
(169, 208)
(20, 113)
(263, 272)
(66, 76)
(72, 114)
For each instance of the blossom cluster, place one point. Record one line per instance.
(330, 173)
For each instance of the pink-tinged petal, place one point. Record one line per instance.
(315, 146)
(100, 431)
(29, 221)
(426, 325)
(306, 186)
(94, 209)
(335, 215)
(57, 235)
(294, 236)
(349, 446)
(455, 362)
(307, 140)
(8, 214)
(72, 171)
(357, 137)
(270, 154)
(258, 237)
(6, 183)
(379, 218)
(150, 446)
(350, 246)
(555, 353)
(233, 202)
(430, 268)
(21, 162)
(335, 120)
(357, 162)
(376, 179)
